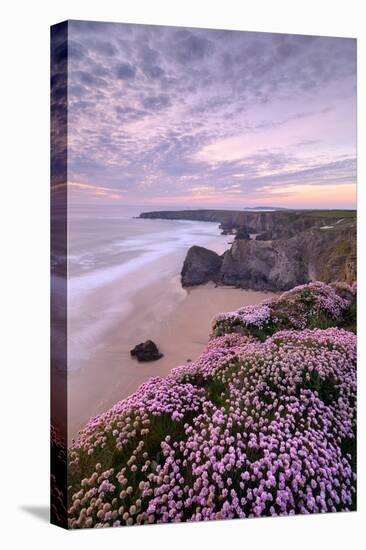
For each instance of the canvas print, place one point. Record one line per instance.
(203, 270)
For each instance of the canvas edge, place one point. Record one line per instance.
(58, 267)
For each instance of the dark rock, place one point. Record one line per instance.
(226, 228)
(200, 266)
(242, 234)
(146, 351)
(266, 236)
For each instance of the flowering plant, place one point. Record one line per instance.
(250, 429)
(314, 305)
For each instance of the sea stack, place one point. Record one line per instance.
(200, 266)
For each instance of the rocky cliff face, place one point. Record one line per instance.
(263, 265)
(267, 225)
(327, 254)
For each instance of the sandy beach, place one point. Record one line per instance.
(180, 329)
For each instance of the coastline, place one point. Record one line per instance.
(180, 329)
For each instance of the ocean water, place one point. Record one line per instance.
(101, 239)
(112, 256)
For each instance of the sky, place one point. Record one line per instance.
(210, 118)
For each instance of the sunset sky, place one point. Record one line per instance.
(191, 117)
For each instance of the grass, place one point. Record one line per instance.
(322, 320)
(330, 213)
(343, 247)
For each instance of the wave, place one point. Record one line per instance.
(145, 250)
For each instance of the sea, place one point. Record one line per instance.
(112, 256)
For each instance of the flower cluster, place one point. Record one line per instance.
(314, 305)
(252, 315)
(249, 429)
(321, 297)
(230, 340)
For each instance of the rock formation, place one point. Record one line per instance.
(242, 234)
(280, 224)
(327, 254)
(200, 266)
(291, 247)
(146, 351)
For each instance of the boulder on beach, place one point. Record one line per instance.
(146, 351)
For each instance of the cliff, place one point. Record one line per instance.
(325, 253)
(267, 225)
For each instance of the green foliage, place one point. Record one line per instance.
(330, 213)
(343, 247)
(326, 387)
(216, 391)
(225, 327)
(322, 320)
(349, 321)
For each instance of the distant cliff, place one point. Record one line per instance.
(266, 225)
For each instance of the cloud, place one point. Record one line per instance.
(191, 48)
(105, 48)
(76, 50)
(156, 102)
(152, 109)
(152, 71)
(125, 71)
(129, 114)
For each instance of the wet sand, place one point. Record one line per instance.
(180, 329)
